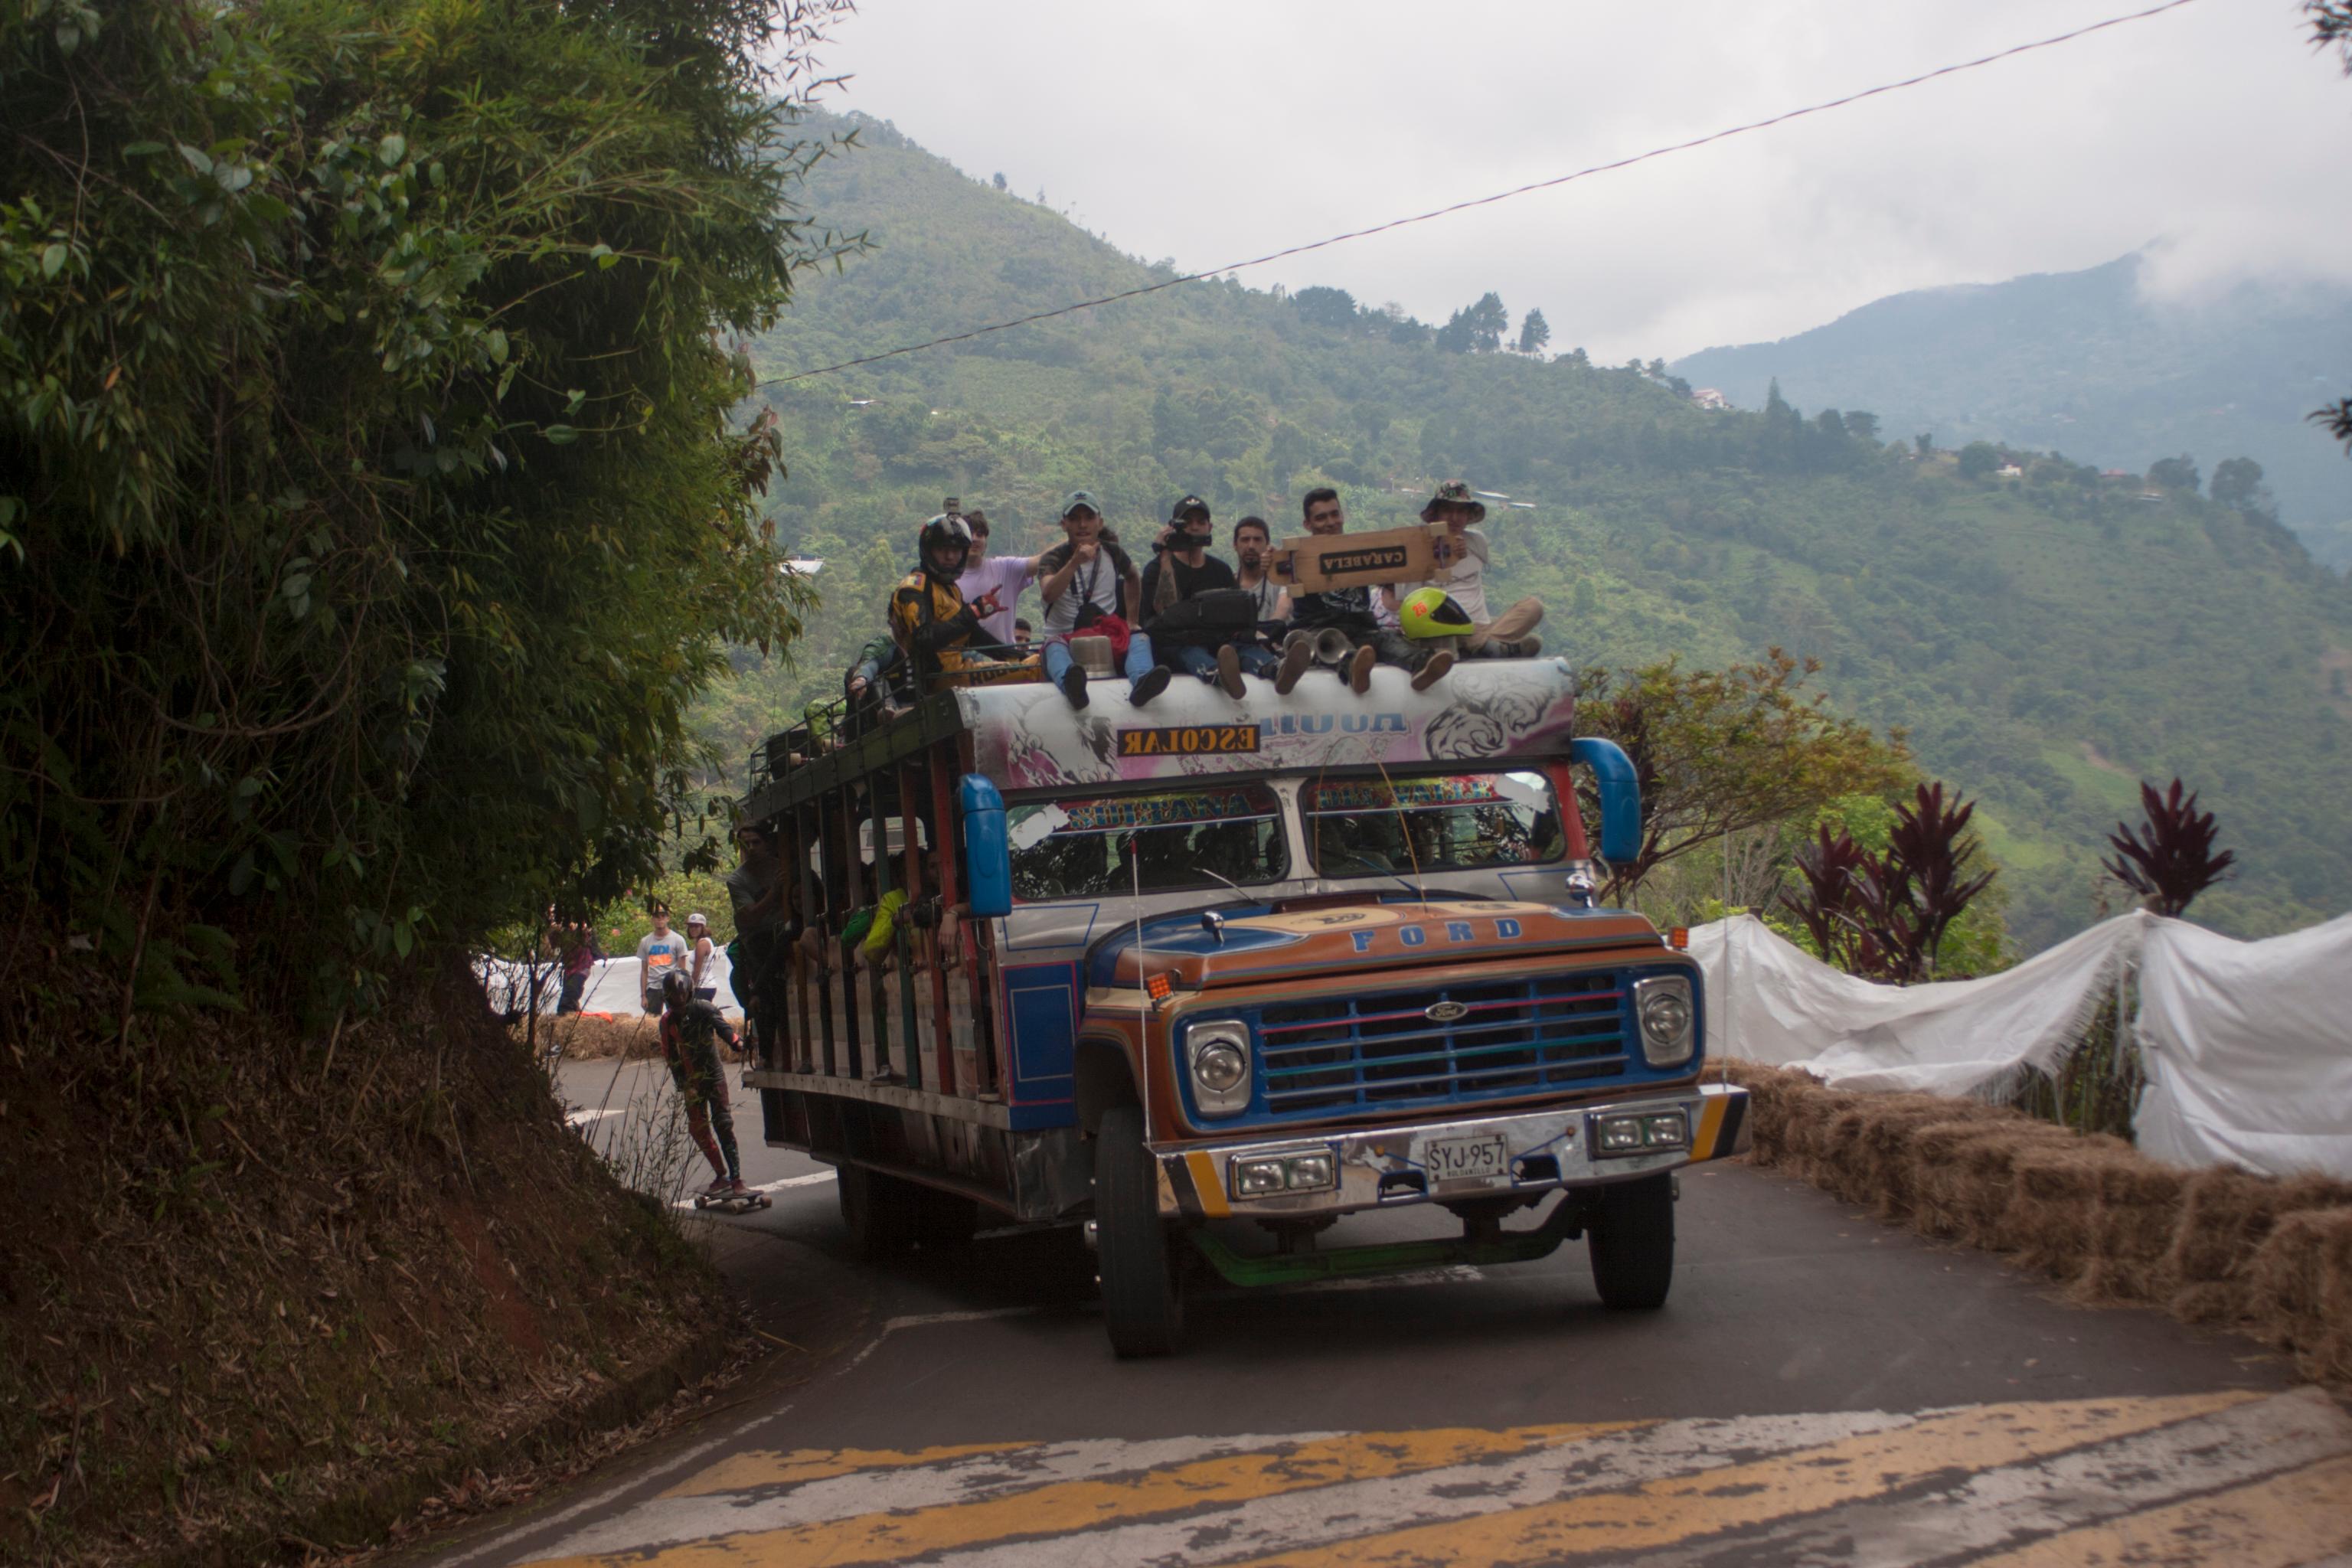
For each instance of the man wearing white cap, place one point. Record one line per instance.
(702, 959)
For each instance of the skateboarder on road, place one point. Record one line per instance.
(690, 1030)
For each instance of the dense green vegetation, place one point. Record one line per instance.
(2046, 641)
(372, 506)
(2088, 364)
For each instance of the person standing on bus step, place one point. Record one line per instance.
(1352, 612)
(997, 577)
(660, 951)
(931, 620)
(702, 960)
(1182, 570)
(1092, 589)
(1463, 575)
(690, 1033)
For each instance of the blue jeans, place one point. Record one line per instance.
(1202, 661)
(1138, 663)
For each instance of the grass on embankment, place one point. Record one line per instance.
(259, 1292)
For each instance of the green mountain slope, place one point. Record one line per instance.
(2084, 363)
(2046, 641)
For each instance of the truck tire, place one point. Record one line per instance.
(1633, 1242)
(1143, 1284)
(883, 1213)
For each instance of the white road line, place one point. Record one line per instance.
(582, 1117)
(2014, 1504)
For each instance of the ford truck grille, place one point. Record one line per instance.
(1339, 1054)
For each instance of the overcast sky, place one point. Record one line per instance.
(1211, 133)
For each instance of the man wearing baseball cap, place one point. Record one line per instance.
(1092, 589)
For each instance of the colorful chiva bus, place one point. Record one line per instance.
(1202, 979)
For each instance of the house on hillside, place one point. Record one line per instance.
(1708, 397)
(2009, 471)
(2113, 474)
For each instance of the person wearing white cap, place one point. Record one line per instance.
(702, 959)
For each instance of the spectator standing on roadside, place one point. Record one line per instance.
(660, 951)
(577, 952)
(1181, 570)
(703, 963)
(1092, 589)
(1352, 612)
(997, 578)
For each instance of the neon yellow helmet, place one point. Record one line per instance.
(1433, 612)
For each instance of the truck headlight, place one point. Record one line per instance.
(1662, 1005)
(1217, 1052)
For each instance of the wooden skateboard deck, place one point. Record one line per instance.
(1321, 562)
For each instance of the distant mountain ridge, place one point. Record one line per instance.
(2087, 364)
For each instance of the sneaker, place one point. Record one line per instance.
(1147, 685)
(736, 1189)
(1229, 670)
(1074, 685)
(721, 1187)
(1359, 670)
(1432, 670)
(1297, 655)
(1525, 648)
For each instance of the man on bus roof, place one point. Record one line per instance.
(1200, 621)
(932, 621)
(1353, 614)
(1092, 589)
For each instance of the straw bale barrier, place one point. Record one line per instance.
(2222, 1247)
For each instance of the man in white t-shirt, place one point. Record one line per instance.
(660, 951)
(1004, 575)
(1463, 575)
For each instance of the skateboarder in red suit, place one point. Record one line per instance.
(690, 1030)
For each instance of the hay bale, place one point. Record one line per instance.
(2226, 1216)
(2138, 1217)
(2302, 1289)
(1969, 1181)
(590, 1037)
(1891, 1154)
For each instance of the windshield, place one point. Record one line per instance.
(1443, 822)
(1080, 848)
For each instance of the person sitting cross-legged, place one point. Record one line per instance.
(1201, 621)
(1462, 572)
(1091, 589)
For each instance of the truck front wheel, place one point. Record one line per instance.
(1633, 1242)
(1143, 1286)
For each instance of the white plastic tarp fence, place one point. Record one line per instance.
(2247, 1045)
(614, 985)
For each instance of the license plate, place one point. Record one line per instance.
(1451, 1160)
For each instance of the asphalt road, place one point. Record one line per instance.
(1819, 1390)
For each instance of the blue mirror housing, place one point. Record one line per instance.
(1620, 798)
(987, 853)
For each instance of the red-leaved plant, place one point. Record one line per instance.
(2169, 859)
(1883, 916)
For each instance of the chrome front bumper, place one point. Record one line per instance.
(1385, 1167)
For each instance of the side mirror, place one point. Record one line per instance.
(987, 854)
(1620, 798)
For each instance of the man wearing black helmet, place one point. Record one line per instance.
(690, 1030)
(932, 621)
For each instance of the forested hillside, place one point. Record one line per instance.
(2085, 364)
(2047, 641)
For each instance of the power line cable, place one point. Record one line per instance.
(1713, 136)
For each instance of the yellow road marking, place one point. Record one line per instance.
(1206, 1183)
(770, 1467)
(1067, 1507)
(1710, 1123)
(2287, 1520)
(1683, 1507)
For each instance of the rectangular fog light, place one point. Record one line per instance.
(1669, 1131)
(1618, 1135)
(1311, 1172)
(1258, 1178)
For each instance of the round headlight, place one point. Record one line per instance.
(1220, 1066)
(1666, 1016)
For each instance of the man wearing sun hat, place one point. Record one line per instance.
(1461, 572)
(701, 959)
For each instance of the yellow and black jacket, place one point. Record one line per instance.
(932, 623)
